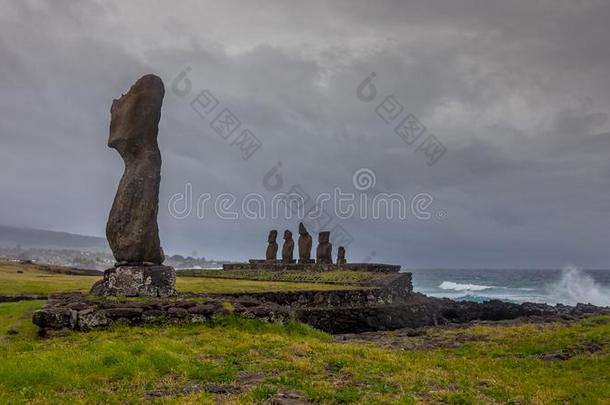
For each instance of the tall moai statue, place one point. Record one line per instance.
(341, 255)
(288, 248)
(132, 230)
(305, 243)
(325, 249)
(271, 254)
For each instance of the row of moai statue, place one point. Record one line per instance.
(323, 251)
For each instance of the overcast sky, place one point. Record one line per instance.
(518, 92)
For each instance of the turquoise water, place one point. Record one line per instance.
(567, 286)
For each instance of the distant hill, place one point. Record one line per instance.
(10, 237)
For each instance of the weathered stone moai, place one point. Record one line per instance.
(325, 249)
(341, 255)
(271, 254)
(132, 230)
(305, 243)
(288, 248)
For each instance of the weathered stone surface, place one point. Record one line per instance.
(271, 254)
(175, 312)
(270, 313)
(91, 318)
(288, 248)
(76, 306)
(207, 310)
(341, 255)
(137, 281)
(324, 252)
(125, 312)
(305, 243)
(22, 297)
(98, 288)
(54, 318)
(153, 316)
(132, 229)
(278, 266)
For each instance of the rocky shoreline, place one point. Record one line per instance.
(389, 305)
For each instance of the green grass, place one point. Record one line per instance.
(213, 285)
(336, 276)
(35, 281)
(502, 364)
(172, 363)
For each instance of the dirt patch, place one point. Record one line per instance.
(413, 339)
(288, 398)
(425, 338)
(244, 382)
(23, 297)
(187, 389)
(567, 354)
(72, 271)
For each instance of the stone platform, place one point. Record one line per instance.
(84, 312)
(389, 305)
(280, 266)
(137, 281)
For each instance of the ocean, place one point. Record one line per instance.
(568, 286)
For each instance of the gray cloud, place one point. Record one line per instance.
(519, 93)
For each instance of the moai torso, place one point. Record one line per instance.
(271, 254)
(131, 230)
(325, 249)
(305, 243)
(288, 248)
(341, 255)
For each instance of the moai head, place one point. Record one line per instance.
(324, 237)
(135, 116)
(272, 236)
(287, 235)
(302, 229)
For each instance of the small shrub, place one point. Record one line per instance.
(458, 398)
(263, 393)
(347, 395)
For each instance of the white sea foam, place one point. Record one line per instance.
(577, 286)
(450, 285)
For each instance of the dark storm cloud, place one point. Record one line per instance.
(518, 92)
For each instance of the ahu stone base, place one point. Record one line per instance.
(137, 281)
(311, 265)
(337, 312)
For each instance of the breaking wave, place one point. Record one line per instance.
(576, 286)
(450, 285)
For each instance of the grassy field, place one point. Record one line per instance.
(337, 276)
(252, 361)
(238, 361)
(35, 281)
